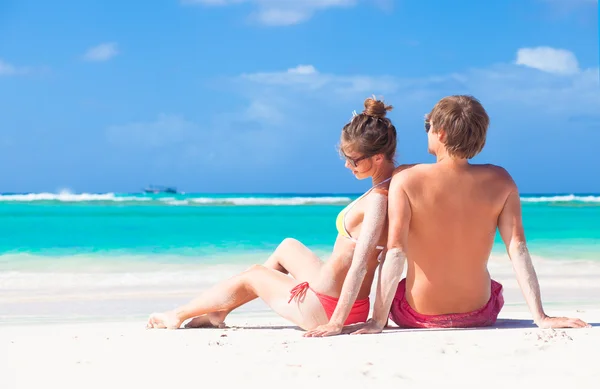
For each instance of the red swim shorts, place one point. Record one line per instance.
(404, 316)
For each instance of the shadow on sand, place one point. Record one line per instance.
(500, 324)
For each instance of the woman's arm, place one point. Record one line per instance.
(370, 233)
(399, 216)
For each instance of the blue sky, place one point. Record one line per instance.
(251, 95)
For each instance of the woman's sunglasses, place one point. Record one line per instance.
(354, 162)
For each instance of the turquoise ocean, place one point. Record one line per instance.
(56, 244)
(43, 230)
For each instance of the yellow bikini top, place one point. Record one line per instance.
(340, 221)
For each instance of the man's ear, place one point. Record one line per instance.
(442, 136)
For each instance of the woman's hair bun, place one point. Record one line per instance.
(376, 108)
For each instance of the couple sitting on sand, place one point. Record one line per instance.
(440, 218)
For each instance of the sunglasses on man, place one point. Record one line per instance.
(427, 123)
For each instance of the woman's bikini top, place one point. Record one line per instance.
(340, 222)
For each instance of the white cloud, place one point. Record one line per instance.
(262, 111)
(307, 77)
(166, 130)
(102, 52)
(281, 17)
(539, 92)
(303, 69)
(7, 69)
(280, 12)
(548, 59)
(548, 81)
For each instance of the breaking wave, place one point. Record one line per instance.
(187, 200)
(234, 200)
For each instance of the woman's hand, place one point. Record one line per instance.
(329, 329)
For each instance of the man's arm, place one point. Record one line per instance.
(510, 224)
(370, 233)
(399, 215)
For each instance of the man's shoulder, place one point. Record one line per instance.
(495, 172)
(409, 176)
(491, 167)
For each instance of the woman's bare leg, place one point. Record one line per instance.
(294, 258)
(270, 285)
(290, 257)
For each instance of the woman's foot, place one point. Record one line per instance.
(211, 320)
(168, 320)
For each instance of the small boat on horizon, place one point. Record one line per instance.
(160, 189)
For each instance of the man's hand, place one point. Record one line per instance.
(562, 322)
(324, 330)
(370, 327)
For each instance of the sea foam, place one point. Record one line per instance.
(208, 200)
(562, 199)
(189, 200)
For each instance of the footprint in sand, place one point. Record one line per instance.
(545, 338)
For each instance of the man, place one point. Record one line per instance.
(442, 221)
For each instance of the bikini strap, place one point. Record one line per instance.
(382, 182)
(298, 292)
(373, 187)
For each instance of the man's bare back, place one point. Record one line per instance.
(455, 210)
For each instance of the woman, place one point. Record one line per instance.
(318, 297)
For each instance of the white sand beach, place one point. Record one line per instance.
(265, 351)
(261, 350)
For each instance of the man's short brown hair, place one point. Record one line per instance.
(465, 122)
